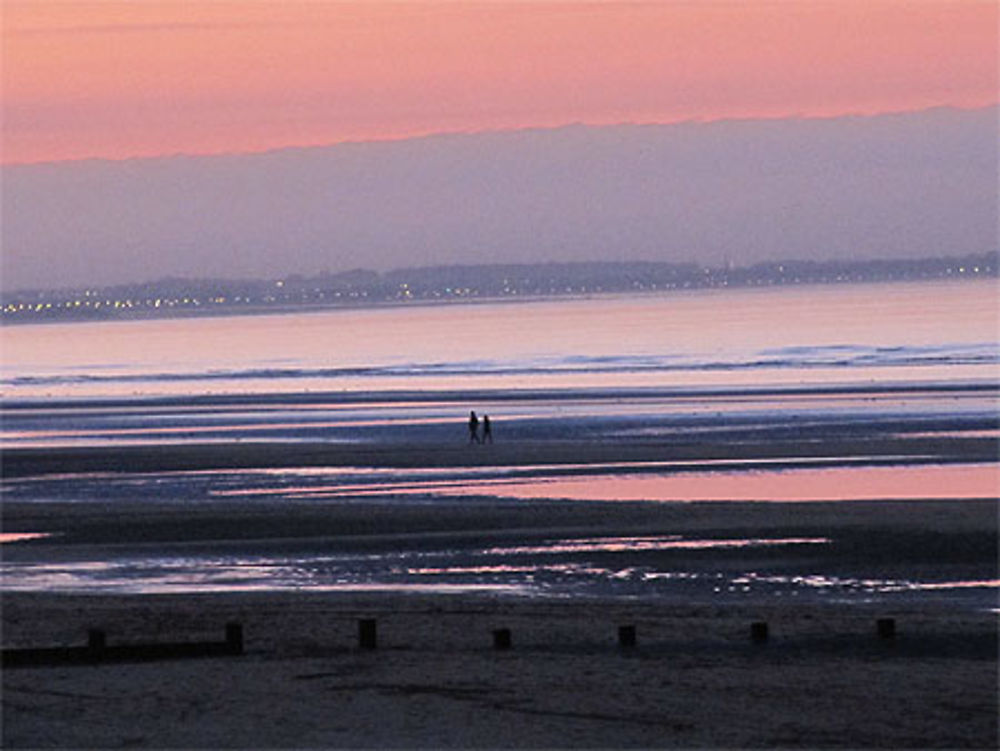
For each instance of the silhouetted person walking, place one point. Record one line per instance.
(473, 428)
(487, 430)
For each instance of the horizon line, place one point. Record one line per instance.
(430, 134)
(723, 267)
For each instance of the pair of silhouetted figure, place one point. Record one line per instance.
(474, 429)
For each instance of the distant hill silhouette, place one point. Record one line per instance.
(459, 283)
(920, 184)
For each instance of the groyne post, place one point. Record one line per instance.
(626, 636)
(367, 633)
(758, 632)
(886, 628)
(234, 637)
(501, 638)
(96, 640)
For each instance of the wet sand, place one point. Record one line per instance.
(695, 680)
(28, 462)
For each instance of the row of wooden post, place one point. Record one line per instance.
(97, 648)
(97, 640)
(367, 633)
(884, 627)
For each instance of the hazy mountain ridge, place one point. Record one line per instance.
(910, 185)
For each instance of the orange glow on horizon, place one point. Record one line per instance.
(123, 79)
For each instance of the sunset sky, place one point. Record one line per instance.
(149, 78)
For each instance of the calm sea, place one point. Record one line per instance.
(802, 336)
(859, 361)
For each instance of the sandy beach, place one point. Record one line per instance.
(695, 679)
(20, 462)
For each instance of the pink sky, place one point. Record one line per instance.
(122, 79)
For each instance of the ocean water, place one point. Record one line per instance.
(862, 362)
(887, 334)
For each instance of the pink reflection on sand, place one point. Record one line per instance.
(634, 544)
(975, 584)
(989, 433)
(152, 432)
(801, 483)
(831, 484)
(819, 581)
(6, 537)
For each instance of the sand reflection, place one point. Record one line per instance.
(827, 484)
(8, 537)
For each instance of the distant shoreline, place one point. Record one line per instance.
(54, 313)
(278, 310)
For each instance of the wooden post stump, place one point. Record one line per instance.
(96, 640)
(501, 638)
(886, 628)
(367, 633)
(234, 638)
(626, 636)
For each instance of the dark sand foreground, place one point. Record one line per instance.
(824, 679)
(696, 679)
